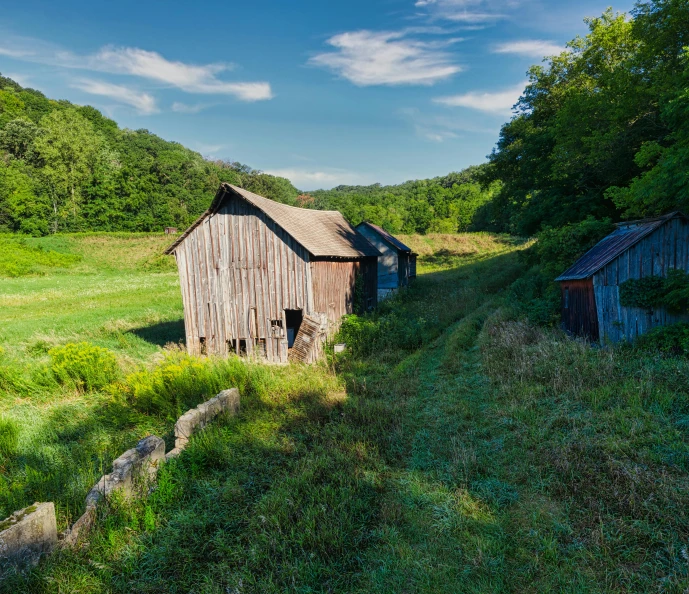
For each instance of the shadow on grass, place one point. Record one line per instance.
(162, 333)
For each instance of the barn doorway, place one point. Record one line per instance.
(293, 319)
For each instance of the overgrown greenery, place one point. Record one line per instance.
(651, 292)
(601, 130)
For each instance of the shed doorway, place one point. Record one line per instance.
(293, 319)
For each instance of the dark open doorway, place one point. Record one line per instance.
(293, 317)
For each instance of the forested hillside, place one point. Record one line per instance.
(65, 167)
(440, 205)
(602, 129)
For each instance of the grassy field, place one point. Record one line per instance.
(452, 448)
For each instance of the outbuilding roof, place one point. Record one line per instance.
(323, 233)
(396, 243)
(607, 249)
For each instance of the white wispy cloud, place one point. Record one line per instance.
(309, 179)
(188, 77)
(210, 151)
(533, 48)
(471, 12)
(437, 128)
(14, 53)
(149, 65)
(500, 102)
(179, 107)
(368, 58)
(142, 102)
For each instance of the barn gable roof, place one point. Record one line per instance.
(323, 233)
(607, 249)
(391, 239)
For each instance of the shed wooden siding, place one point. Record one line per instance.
(579, 308)
(665, 249)
(239, 271)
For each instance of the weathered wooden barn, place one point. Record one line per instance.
(591, 287)
(267, 279)
(397, 262)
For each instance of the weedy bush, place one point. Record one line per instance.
(672, 340)
(180, 382)
(86, 366)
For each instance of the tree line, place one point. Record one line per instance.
(65, 168)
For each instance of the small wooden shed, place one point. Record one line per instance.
(397, 263)
(591, 287)
(263, 278)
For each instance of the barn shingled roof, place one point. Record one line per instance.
(323, 233)
(387, 237)
(607, 249)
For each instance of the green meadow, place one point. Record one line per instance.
(453, 447)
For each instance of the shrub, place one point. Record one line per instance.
(87, 366)
(360, 334)
(673, 339)
(180, 382)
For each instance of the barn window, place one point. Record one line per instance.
(369, 303)
(566, 297)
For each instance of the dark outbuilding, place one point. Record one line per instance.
(636, 249)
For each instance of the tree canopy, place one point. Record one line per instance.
(601, 130)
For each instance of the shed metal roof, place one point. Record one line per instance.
(607, 249)
(323, 233)
(396, 243)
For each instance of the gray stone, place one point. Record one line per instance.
(131, 470)
(197, 418)
(229, 400)
(28, 533)
(81, 527)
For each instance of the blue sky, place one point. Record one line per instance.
(324, 93)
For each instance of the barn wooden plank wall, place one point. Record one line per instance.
(665, 249)
(239, 271)
(334, 286)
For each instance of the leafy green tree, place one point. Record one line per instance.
(17, 137)
(68, 150)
